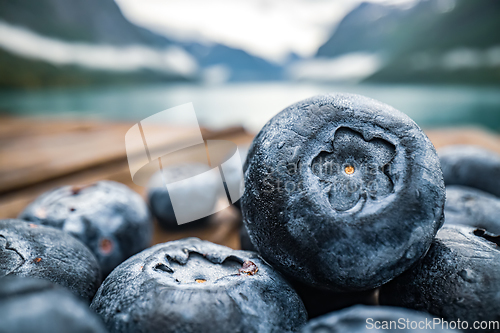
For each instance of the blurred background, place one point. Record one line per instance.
(240, 62)
(76, 75)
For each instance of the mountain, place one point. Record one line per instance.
(77, 42)
(92, 21)
(448, 41)
(367, 28)
(237, 64)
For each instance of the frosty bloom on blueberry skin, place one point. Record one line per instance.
(30, 305)
(29, 250)
(323, 230)
(456, 280)
(471, 166)
(472, 207)
(108, 217)
(191, 285)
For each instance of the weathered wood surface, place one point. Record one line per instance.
(467, 135)
(33, 151)
(37, 155)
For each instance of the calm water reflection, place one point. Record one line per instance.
(252, 104)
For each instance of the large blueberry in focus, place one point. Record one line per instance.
(33, 305)
(459, 278)
(111, 219)
(342, 192)
(197, 286)
(472, 207)
(365, 319)
(471, 166)
(30, 250)
(196, 195)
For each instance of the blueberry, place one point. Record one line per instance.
(459, 278)
(111, 219)
(366, 319)
(191, 285)
(32, 305)
(342, 192)
(471, 166)
(472, 207)
(204, 194)
(30, 250)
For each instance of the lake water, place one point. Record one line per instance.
(253, 104)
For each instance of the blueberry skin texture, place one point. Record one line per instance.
(29, 250)
(315, 230)
(472, 207)
(354, 320)
(191, 285)
(458, 278)
(471, 166)
(108, 217)
(33, 305)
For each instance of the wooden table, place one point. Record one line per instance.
(37, 155)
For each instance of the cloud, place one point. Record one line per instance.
(268, 28)
(351, 67)
(28, 44)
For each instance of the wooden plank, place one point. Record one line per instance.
(466, 136)
(34, 154)
(33, 151)
(13, 201)
(16, 127)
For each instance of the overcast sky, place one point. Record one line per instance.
(267, 28)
